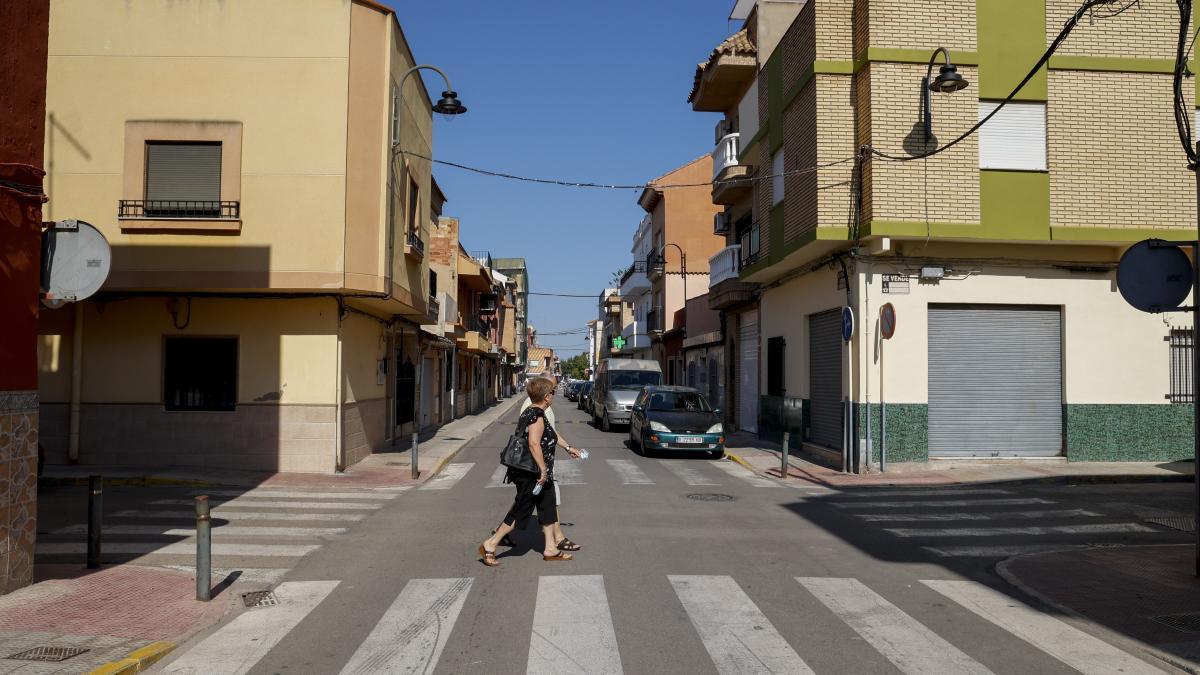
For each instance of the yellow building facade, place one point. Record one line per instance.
(269, 268)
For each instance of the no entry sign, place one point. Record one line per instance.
(887, 321)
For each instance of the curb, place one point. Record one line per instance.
(133, 481)
(137, 661)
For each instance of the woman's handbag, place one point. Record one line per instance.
(516, 454)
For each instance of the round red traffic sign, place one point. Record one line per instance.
(887, 321)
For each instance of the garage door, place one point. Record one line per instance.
(748, 372)
(825, 379)
(995, 381)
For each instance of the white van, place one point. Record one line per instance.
(618, 383)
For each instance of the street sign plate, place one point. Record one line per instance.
(887, 321)
(1154, 276)
(847, 323)
(895, 284)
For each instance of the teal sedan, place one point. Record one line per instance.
(675, 419)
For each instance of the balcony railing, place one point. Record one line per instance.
(178, 208)
(725, 264)
(483, 258)
(637, 266)
(654, 321)
(414, 240)
(725, 154)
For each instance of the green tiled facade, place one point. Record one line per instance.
(1128, 433)
(907, 431)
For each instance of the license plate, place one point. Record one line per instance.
(689, 439)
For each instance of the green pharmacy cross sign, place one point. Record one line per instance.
(618, 342)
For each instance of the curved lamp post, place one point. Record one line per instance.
(948, 81)
(660, 264)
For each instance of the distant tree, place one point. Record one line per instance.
(615, 279)
(575, 366)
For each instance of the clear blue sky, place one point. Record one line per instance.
(563, 89)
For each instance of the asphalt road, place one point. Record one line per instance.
(752, 576)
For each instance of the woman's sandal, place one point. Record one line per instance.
(560, 556)
(568, 545)
(489, 557)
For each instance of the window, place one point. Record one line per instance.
(414, 198)
(747, 235)
(395, 114)
(1180, 340)
(200, 373)
(432, 284)
(777, 177)
(775, 354)
(1015, 139)
(182, 180)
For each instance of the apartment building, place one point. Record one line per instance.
(997, 255)
(515, 269)
(635, 292)
(269, 274)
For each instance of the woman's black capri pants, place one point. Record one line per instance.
(525, 500)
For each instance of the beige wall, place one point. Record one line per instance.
(784, 311)
(364, 344)
(367, 141)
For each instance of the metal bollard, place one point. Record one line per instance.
(95, 520)
(783, 456)
(203, 549)
(416, 472)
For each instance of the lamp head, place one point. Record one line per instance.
(948, 80)
(449, 105)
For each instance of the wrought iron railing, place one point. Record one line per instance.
(654, 321)
(178, 208)
(636, 267)
(414, 240)
(1180, 340)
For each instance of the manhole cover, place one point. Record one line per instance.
(1187, 623)
(710, 497)
(259, 599)
(50, 654)
(1182, 523)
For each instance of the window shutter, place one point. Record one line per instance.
(777, 177)
(183, 172)
(1015, 138)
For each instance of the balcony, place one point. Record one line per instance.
(725, 287)
(731, 179)
(178, 208)
(656, 265)
(413, 246)
(635, 282)
(724, 265)
(654, 322)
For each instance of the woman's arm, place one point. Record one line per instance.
(534, 435)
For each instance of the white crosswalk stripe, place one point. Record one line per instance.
(217, 532)
(569, 472)
(268, 493)
(448, 477)
(1033, 530)
(241, 643)
(1064, 642)
(179, 548)
(572, 628)
(998, 551)
(238, 515)
(497, 479)
(872, 493)
(907, 643)
(977, 515)
(687, 472)
(738, 637)
(252, 503)
(738, 471)
(943, 504)
(414, 630)
(629, 472)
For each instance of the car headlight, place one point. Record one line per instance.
(715, 429)
(612, 405)
(659, 426)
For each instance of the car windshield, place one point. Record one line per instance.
(678, 401)
(585, 387)
(633, 379)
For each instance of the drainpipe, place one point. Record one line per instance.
(339, 460)
(454, 382)
(76, 385)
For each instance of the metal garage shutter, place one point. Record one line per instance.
(995, 381)
(825, 379)
(748, 372)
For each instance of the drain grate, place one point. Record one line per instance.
(48, 654)
(1187, 623)
(1181, 523)
(710, 497)
(259, 599)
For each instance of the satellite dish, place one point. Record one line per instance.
(75, 262)
(1154, 276)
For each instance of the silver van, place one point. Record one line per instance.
(618, 383)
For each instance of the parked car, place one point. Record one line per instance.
(585, 388)
(571, 391)
(618, 382)
(676, 419)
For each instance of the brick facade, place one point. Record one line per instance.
(1144, 31)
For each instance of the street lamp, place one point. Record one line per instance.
(948, 81)
(660, 265)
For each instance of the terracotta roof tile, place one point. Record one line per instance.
(738, 44)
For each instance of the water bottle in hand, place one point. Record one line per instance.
(537, 489)
(583, 454)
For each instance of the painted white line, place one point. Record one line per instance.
(687, 472)
(996, 551)
(738, 471)
(449, 476)
(413, 631)
(223, 531)
(738, 637)
(1035, 530)
(1064, 642)
(497, 479)
(629, 472)
(246, 503)
(568, 472)
(179, 548)
(923, 492)
(260, 493)
(572, 628)
(990, 515)
(237, 515)
(947, 503)
(241, 643)
(907, 643)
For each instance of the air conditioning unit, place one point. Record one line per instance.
(724, 128)
(721, 223)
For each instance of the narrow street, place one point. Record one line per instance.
(689, 565)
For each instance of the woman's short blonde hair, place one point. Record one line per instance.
(538, 388)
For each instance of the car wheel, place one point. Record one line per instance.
(605, 424)
(633, 442)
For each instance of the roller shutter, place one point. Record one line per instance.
(995, 381)
(748, 372)
(183, 177)
(825, 379)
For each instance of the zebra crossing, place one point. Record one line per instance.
(573, 629)
(258, 532)
(633, 473)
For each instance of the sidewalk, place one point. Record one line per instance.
(764, 457)
(1146, 594)
(381, 470)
